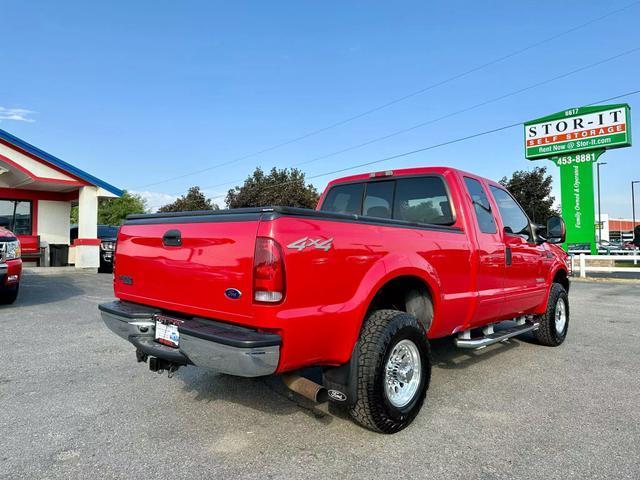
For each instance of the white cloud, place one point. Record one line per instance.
(17, 114)
(155, 200)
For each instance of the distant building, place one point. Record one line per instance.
(616, 229)
(37, 191)
(621, 229)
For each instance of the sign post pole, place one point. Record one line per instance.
(576, 196)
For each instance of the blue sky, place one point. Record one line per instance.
(137, 92)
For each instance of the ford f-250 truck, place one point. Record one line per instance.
(357, 287)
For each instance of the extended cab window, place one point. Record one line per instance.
(514, 219)
(422, 200)
(378, 199)
(419, 199)
(344, 199)
(481, 205)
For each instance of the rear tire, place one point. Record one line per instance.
(394, 369)
(554, 323)
(8, 295)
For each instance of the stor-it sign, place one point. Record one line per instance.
(578, 129)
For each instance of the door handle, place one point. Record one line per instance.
(507, 255)
(172, 238)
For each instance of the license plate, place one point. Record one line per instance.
(167, 334)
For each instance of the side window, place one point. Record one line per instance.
(344, 199)
(6, 211)
(18, 214)
(378, 199)
(22, 219)
(514, 219)
(422, 200)
(486, 222)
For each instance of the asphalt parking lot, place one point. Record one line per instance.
(75, 404)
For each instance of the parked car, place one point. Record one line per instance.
(10, 264)
(579, 247)
(606, 247)
(108, 235)
(358, 287)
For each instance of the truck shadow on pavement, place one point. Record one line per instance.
(39, 290)
(446, 355)
(267, 394)
(270, 395)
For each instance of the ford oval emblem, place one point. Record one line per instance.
(233, 293)
(337, 395)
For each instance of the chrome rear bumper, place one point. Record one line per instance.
(205, 343)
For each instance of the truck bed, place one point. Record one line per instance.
(333, 265)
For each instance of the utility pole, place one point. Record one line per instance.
(633, 206)
(599, 213)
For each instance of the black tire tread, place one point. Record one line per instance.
(377, 332)
(546, 334)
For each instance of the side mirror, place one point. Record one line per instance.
(5, 222)
(556, 230)
(540, 233)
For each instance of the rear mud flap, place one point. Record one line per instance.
(341, 382)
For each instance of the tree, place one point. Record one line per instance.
(280, 187)
(193, 200)
(532, 190)
(113, 211)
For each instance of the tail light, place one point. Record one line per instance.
(268, 271)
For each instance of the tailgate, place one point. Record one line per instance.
(197, 274)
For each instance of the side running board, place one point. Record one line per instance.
(490, 337)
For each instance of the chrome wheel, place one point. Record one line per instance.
(561, 316)
(402, 373)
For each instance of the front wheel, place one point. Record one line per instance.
(554, 323)
(394, 369)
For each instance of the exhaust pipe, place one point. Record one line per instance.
(305, 387)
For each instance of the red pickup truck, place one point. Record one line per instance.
(10, 265)
(357, 287)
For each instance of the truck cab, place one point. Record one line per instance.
(508, 262)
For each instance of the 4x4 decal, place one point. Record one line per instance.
(305, 242)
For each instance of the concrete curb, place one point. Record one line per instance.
(56, 270)
(605, 280)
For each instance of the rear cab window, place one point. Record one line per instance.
(344, 199)
(423, 199)
(378, 199)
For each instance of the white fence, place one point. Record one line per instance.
(581, 262)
